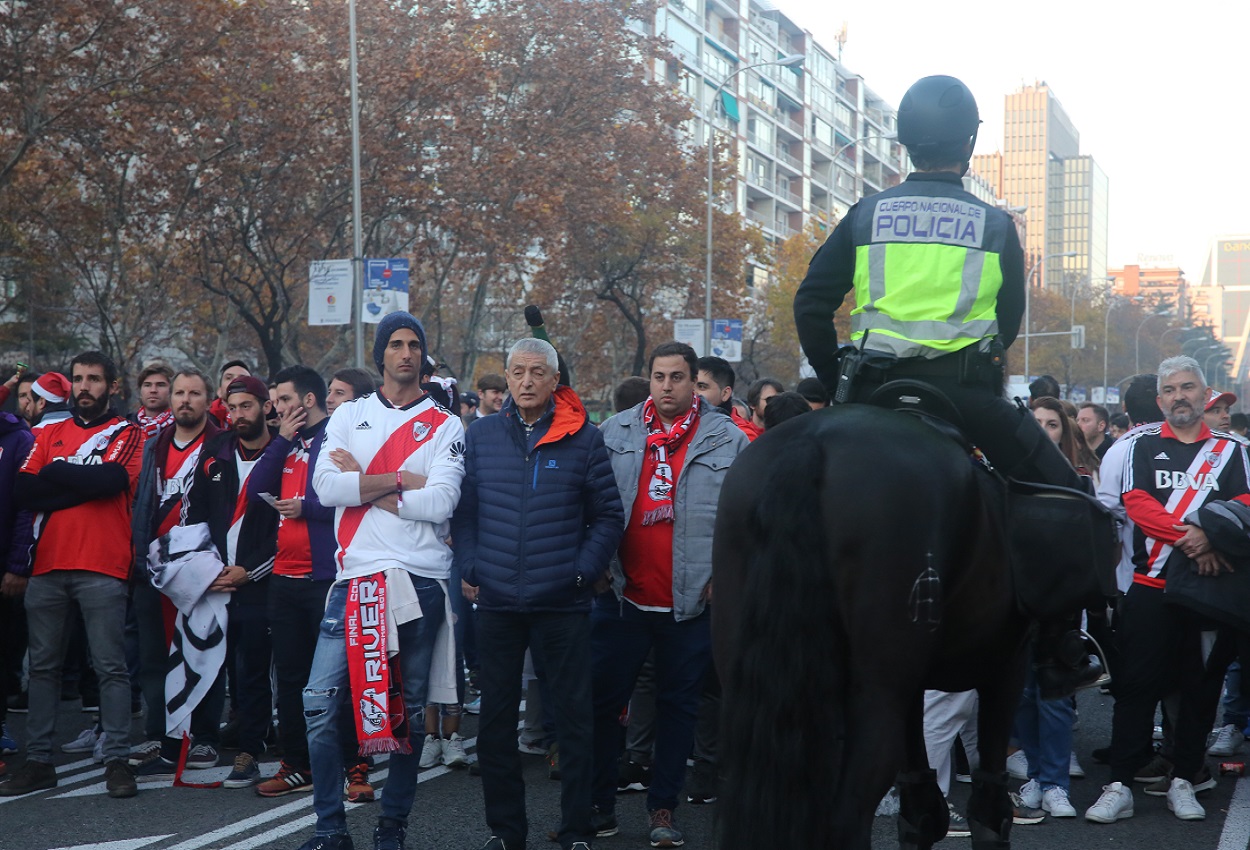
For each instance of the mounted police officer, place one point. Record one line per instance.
(938, 277)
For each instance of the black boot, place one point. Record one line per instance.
(1063, 662)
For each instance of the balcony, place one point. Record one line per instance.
(790, 124)
(759, 218)
(788, 195)
(688, 10)
(761, 183)
(722, 37)
(783, 228)
(786, 158)
(762, 144)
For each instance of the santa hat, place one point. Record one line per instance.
(53, 386)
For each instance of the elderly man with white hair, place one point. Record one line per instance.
(538, 522)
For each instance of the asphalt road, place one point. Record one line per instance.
(448, 811)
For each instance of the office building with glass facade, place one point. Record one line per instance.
(1064, 193)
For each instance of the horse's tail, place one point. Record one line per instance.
(783, 723)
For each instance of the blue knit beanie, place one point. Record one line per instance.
(392, 322)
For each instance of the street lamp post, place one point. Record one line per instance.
(1171, 330)
(786, 62)
(1206, 364)
(358, 261)
(838, 152)
(1137, 338)
(1106, 342)
(1028, 301)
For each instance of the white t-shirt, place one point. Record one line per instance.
(424, 438)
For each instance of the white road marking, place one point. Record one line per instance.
(124, 844)
(1236, 834)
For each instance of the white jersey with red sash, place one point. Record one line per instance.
(1165, 480)
(424, 438)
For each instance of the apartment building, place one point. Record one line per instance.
(811, 139)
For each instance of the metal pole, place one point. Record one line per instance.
(1106, 343)
(1137, 340)
(1028, 303)
(711, 136)
(358, 261)
(707, 276)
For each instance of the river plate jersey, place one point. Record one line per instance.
(1165, 480)
(94, 535)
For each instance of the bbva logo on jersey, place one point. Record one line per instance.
(1168, 480)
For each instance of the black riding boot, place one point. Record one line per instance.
(1063, 661)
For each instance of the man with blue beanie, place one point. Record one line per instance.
(391, 466)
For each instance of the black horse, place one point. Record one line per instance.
(860, 558)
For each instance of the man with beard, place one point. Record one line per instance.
(230, 370)
(391, 464)
(79, 477)
(43, 399)
(154, 414)
(169, 462)
(303, 572)
(245, 538)
(1172, 469)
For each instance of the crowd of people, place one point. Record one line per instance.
(365, 561)
(370, 560)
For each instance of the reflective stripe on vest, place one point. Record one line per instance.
(905, 261)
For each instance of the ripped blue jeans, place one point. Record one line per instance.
(329, 692)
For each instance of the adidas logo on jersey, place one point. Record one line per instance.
(58, 443)
(364, 426)
(1162, 456)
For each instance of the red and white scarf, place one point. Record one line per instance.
(656, 499)
(153, 425)
(377, 693)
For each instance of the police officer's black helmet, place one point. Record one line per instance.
(938, 112)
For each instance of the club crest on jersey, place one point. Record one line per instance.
(420, 430)
(1213, 458)
(1168, 480)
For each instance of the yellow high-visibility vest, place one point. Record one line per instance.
(927, 271)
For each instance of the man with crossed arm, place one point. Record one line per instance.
(391, 465)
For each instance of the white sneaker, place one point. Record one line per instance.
(1182, 803)
(431, 752)
(1018, 765)
(1055, 801)
(97, 752)
(1031, 794)
(453, 751)
(1116, 803)
(1228, 741)
(1075, 770)
(84, 743)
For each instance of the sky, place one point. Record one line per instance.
(1157, 92)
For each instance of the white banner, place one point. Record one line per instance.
(330, 292)
(690, 331)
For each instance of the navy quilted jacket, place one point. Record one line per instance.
(539, 518)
